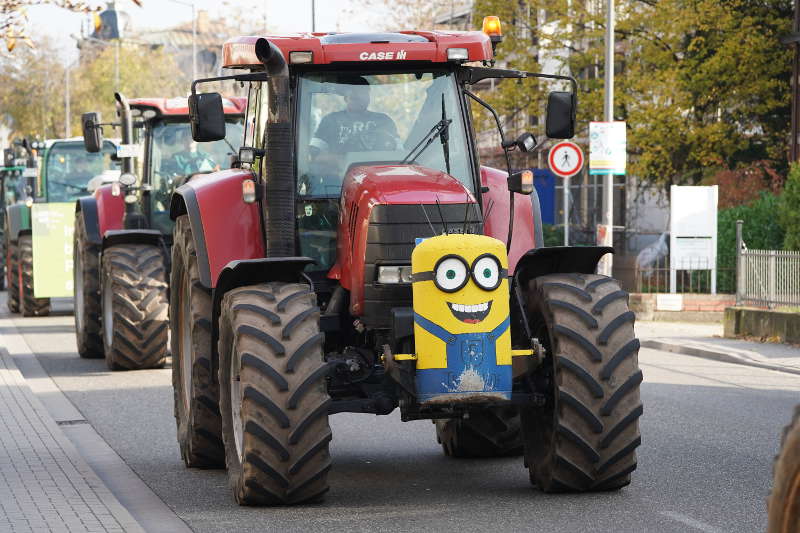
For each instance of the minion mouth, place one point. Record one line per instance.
(471, 314)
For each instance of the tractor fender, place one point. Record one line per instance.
(132, 236)
(110, 210)
(224, 227)
(18, 219)
(250, 272)
(527, 216)
(86, 208)
(559, 259)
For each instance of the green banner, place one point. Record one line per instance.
(53, 226)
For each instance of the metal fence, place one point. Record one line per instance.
(769, 278)
(692, 277)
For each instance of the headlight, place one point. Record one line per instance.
(394, 274)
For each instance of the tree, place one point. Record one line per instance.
(703, 84)
(789, 209)
(32, 88)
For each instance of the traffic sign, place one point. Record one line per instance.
(565, 159)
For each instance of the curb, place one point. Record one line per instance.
(705, 353)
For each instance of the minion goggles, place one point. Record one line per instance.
(452, 273)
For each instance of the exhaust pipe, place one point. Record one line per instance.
(279, 219)
(127, 129)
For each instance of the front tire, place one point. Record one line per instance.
(195, 389)
(29, 304)
(273, 395)
(86, 275)
(134, 305)
(585, 436)
(490, 432)
(784, 500)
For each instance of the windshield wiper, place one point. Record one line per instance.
(445, 137)
(438, 130)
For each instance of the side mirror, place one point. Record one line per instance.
(560, 115)
(207, 117)
(92, 132)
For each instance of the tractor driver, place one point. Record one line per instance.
(189, 159)
(355, 128)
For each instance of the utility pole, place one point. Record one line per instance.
(116, 65)
(606, 235)
(67, 110)
(313, 16)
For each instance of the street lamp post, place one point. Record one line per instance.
(191, 4)
(607, 237)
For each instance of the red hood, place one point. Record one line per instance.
(405, 184)
(364, 188)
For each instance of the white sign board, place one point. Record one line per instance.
(607, 147)
(669, 302)
(693, 231)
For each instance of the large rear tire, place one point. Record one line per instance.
(784, 500)
(195, 389)
(491, 432)
(273, 395)
(86, 274)
(585, 437)
(29, 304)
(134, 305)
(12, 270)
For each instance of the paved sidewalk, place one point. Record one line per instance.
(45, 485)
(705, 340)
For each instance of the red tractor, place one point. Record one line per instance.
(123, 231)
(360, 259)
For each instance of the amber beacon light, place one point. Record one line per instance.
(491, 26)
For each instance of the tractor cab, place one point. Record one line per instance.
(67, 168)
(362, 143)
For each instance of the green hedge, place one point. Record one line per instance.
(761, 231)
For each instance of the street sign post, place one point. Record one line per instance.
(566, 160)
(607, 156)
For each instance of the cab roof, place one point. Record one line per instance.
(329, 48)
(180, 105)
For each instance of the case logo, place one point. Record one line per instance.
(382, 56)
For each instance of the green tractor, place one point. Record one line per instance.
(16, 186)
(38, 232)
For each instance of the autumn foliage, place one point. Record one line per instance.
(744, 185)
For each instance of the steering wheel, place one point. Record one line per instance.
(375, 140)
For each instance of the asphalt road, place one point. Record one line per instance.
(710, 431)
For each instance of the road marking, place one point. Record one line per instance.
(691, 522)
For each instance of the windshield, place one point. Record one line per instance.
(175, 156)
(379, 118)
(70, 167)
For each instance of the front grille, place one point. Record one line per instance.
(390, 241)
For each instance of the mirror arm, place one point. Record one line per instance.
(508, 163)
(251, 76)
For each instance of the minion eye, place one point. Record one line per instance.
(486, 272)
(451, 274)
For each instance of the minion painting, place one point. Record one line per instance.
(461, 319)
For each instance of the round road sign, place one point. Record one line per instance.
(565, 159)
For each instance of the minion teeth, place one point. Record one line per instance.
(471, 314)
